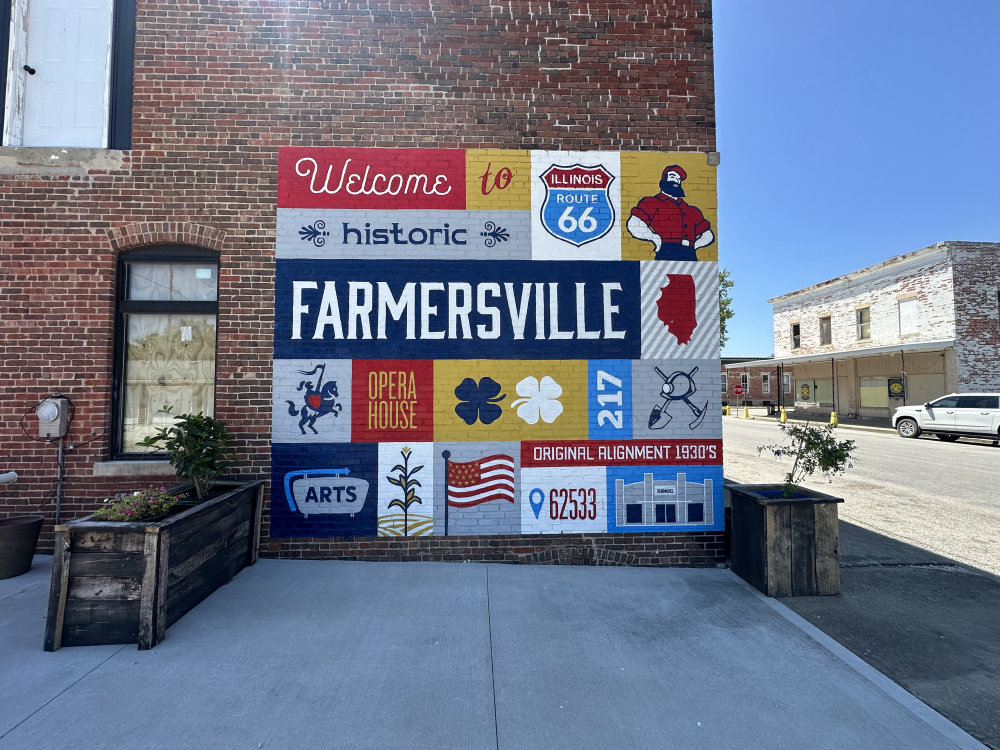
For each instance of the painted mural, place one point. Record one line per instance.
(474, 342)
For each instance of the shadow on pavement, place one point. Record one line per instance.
(923, 620)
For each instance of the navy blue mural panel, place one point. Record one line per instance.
(358, 309)
(324, 490)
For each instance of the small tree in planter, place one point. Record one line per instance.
(197, 447)
(786, 538)
(812, 448)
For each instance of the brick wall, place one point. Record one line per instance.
(977, 314)
(924, 274)
(219, 87)
(754, 392)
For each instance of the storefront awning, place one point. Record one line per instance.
(924, 346)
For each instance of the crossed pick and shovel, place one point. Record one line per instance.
(678, 386)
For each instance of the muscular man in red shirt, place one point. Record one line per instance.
(675, 228)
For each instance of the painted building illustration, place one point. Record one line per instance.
(663, 501)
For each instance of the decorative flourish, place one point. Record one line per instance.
(315, 233)
(479, 401)
(405, 481)
(494, 234)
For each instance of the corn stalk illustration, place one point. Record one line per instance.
(405, 481)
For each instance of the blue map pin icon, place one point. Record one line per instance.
(537, 507)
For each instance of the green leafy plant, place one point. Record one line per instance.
(406, 483)
(197, 447)
(725, 305)
(813, 448)
(136, 506)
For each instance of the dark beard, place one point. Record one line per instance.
(671, 189)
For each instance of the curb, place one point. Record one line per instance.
(790, 420)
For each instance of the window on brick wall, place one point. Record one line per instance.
(796, 335)
(786, 382)
(725, 384)
(908, 316)
(745, 382)
(863, 319)
(765, 383)
(165, 333)
(825, 331)
(67, 74)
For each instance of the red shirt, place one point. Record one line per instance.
(672, 219)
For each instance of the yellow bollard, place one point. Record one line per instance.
(725, 411)
(746, 413)
(784, 416)
(833, 419)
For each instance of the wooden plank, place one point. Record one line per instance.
(162, 587)
(194, 589)
(95, 623)
(803, 549)
(181, 567)
(187, 539)
(147, 601)
(778, 548)
(103, 540)
(115, 564)
(748, 540)
(212, 510)
(57, 591)
(233, 529)
(257, 513)
(827, 550)
(104, 587)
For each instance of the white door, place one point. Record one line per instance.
(67, 44)
(940, 414)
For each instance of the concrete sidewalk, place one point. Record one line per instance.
(447, 655)
(870, 424)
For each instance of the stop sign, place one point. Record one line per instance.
(738, 390)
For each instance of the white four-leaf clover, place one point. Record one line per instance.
(540, 400)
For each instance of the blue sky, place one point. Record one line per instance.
(850, 132)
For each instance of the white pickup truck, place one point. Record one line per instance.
(951, 417)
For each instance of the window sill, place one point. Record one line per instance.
(134, 469)
(58, 161)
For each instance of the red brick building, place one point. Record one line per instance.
(761, 383)
(172, 158)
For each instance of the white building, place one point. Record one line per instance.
(900, 332)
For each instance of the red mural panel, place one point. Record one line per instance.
(369, 178)
(392, 400)
(547, 453)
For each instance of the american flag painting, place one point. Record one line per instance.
(480, 481)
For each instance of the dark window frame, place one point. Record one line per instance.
(125, 306)
(795, 331)
(120, 71)
(860, 325)
(826, 333)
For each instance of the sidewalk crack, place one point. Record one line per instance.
(493, 681)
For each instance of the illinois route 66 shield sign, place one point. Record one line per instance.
(577, 207)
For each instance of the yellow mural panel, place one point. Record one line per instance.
(498, 179)
(641, 173)
(488, 400)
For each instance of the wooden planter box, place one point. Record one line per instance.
(785, 546)
(127, 582)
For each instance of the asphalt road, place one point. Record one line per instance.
(933, 495)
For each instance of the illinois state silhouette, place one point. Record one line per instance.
(676, 306)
